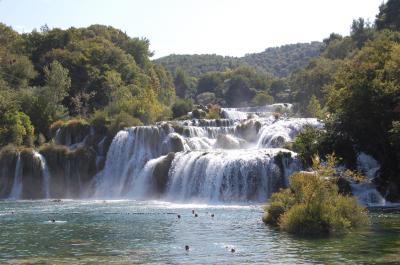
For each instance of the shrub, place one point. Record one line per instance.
(280, 202)
(123, 120)
(55, 126)
(306, 144)
(16, 128)
(262, 99)
(312, 205)
(181, 107)
(206, 98)
(213, 112)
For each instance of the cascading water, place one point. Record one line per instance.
(225, 175)
(128, 154)
(229, 160)
(45, 174)
(16, 190)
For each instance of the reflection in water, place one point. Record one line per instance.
(150, 232)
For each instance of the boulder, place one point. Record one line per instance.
(227, 141)
(160, 173)
(248, 130)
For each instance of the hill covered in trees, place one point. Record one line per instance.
(96, 72)
(279, 61)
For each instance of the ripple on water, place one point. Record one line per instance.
(141, 232)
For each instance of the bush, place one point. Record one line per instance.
(16, 128)
(307, 143)
(262, 99)
(181, 107)
(123, 120)
(206, 98)
(312, 205)
(55, 126)
(213, 112)
(280, 202)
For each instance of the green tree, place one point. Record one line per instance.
(57, 85)
(314, 108)
(181, 107)
(262, 99)
(16, 128)
(44, 104)
(364, 101)
(238, 92)
(361, 32)
(182, 83)
(388, 17)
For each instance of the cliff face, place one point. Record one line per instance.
(63, 168)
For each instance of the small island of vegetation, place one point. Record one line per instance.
(313, 205)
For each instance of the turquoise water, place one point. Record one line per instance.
(129, 232)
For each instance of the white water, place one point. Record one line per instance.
(45, 174)
(249, 112)
(16, 190)
(226, 175)
(228, 160)
(366, 192)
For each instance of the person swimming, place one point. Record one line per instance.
(179, 216)
(196, 215)
(212, 215)
(187, 248)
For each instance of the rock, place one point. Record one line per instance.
(174, 143)
(8, 159)
(392, 192)
(160, 174)
(344, 186)
(198, 113)
(248, 130)
(226, 141)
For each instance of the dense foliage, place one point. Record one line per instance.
(197, 65)
(312, 205)
(282, 61)
(240, 87)
(355, 87)
(279, 61)
(55, 74)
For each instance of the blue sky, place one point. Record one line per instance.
(226, 27)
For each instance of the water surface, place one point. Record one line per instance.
(131, 232)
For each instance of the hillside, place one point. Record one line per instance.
(280, 61)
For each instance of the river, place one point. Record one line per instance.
(149, 232)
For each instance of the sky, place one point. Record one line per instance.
(225, 27)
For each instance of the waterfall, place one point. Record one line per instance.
(16, 190)
(128, 153)
(235, 159)
(225, 175)
(45, 174)
(275, 134)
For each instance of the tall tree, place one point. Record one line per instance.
(389, 16)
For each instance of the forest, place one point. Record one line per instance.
(279, 61)
(100, 75)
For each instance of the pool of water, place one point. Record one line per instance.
(131, 232)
